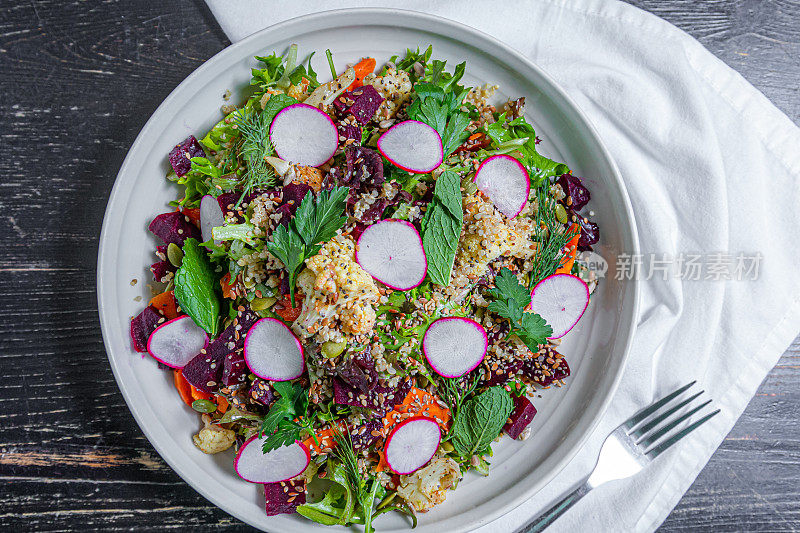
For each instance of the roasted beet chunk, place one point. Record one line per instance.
(284, 497)
(349, 130)
(359, 371)
(173, 227)
(521, 416)
(577, 195)
(142, 326)
(381, 399)
(161, 269)
(180, 156)
(204, 371)
(504, 373)
(362, 434)
(234, 370)
(261, 392)
(361, 103)
(590, 234)
(293, 195)
(546, 368)
(232, 339)
(364, 167)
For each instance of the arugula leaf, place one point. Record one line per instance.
(336, 507)
(194, 287)
(510, 300)
(223, 132)
(480, 421)
(314, 223)
(442, 227)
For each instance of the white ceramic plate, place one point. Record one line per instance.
(595, 349)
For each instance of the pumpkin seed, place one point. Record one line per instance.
(446, 446)
(259, 304)
(561, 213)
(331, 349)
(174, 254)
(469, 186)
(204, 406)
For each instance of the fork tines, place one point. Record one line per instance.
(649, 425)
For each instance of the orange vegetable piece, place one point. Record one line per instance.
(325, 438)
(228, 288)
(285, 310)
(222, 404)
(197, 394)
(166, 304)
(184, 389)
(572, 251)
(362, 68)
(193, 214)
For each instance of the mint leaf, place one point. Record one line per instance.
(480, 421)
(441, 227)
(194, 287)
(448, 192)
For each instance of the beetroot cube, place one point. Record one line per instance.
(364, 165)
(521, 416)
(161, 269)
(204, 372)
(380, 399)
(284, 497)
(232, 339)
(173, 227)
(261, 392)
(362, 436)
(546, 368)
(180, 155)
(362, 103)
(234, 370)
(142, 326)
(504, 373)
(349, 131)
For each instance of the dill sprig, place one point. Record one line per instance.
(255, 148)
(550, 234)
(359, 484)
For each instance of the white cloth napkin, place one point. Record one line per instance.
(711, 166)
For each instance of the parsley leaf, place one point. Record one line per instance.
(510, 300)
(279, 425)
(480, 420)
(442, 227)
(314, 222)
(194, 287)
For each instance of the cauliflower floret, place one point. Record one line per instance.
(428, 486)
(340, 295)
(214, 438)
(395, 87)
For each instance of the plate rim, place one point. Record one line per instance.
(379, 14)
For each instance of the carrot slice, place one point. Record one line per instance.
(572, 251)
(228, 288)
(285, 310)
(193, 214)
(362, 68)
(166, 304)
(222, 404)
(197, 394)
(184, 389)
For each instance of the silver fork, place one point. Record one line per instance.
(631, 447)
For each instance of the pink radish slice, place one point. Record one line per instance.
(303, 135)
(454, 346)
(280, 464)
(391, 251)
(176, 342)
(411, 444)
(561, 300)
(271, 351)
(505, 181)
(413, 146)
(210, 217)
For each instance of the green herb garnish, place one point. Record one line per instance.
(314, 223)
(194, 287)
(441, 227)
(551, 237)
(365, 492)
(438, 105)
(480, 421)
(279, 425)
(510, 299)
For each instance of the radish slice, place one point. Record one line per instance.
(303, 135)
(411, 444)
(272, 352)
(391, 251)
(454, 346)
(176, 342)
(283, 463)
(561, 300)
(505, 181)
(210, 217)
(413, 146)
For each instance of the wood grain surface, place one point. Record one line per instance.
(78, 79)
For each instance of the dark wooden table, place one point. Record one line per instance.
(77, 82)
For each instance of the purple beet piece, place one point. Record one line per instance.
(234, 370)
(232, 339)
(363, 438)
(180, 155)
(204, 371)
(357, 230)
(227, 202)
(349, 131)
(504, 373)
(574, 189)
(142, 326)
(293, 195)
(358, 375)
(261, 392)
(278, 495)
(590, 234)
(361, 102)
(173, 227)
(161, 269)
(546, 368)
(521, 416)
(364, 166)
(381, 399)
(161, 252)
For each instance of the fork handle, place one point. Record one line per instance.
(551, 515)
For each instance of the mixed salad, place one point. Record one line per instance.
(364, 281)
